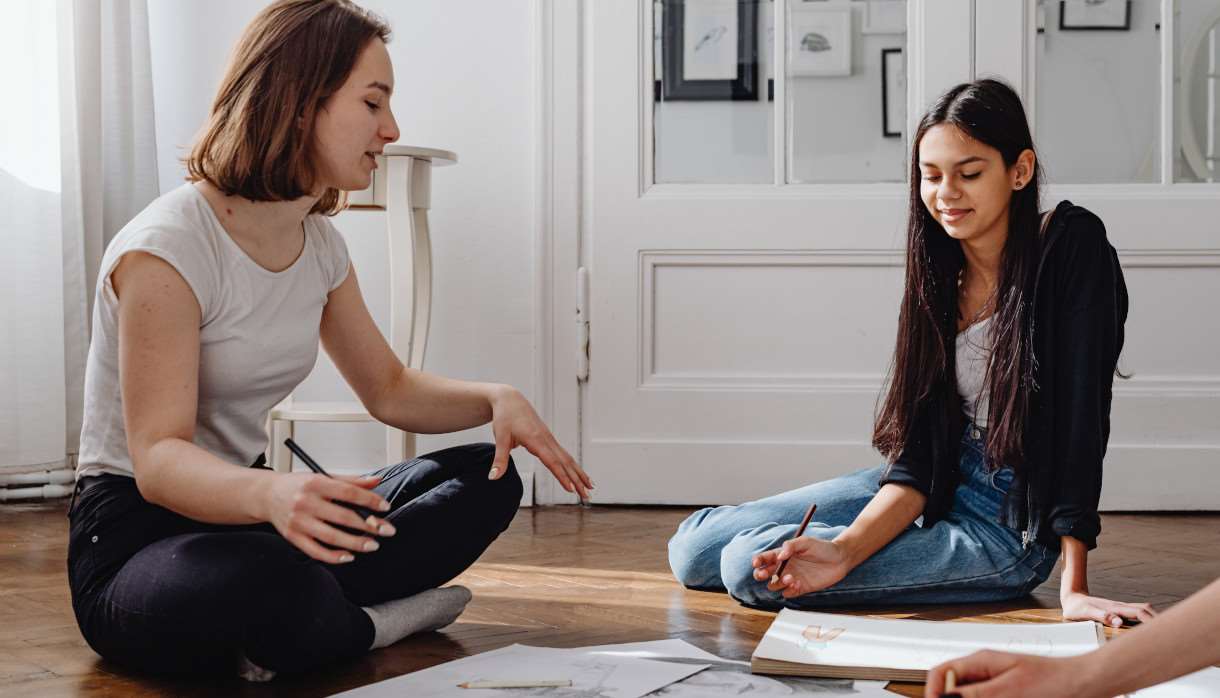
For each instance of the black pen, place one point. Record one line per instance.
(313, 465)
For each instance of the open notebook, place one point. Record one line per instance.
(800, 643)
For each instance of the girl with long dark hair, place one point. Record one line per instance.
(997, 414)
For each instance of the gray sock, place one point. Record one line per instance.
(428, 610)
(250, 671)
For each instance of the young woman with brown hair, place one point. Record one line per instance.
(186, 554)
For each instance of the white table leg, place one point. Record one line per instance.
(408, 197)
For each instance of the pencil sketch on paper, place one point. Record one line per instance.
(592, 674)
(814, 638)
(591, 678)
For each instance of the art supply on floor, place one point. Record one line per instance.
(670, 668)
(803, 643)
(517, 684)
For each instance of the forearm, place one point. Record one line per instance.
(1074, 579)
(423, 403)
(184, 478)
(891, 511)
(1177, 642)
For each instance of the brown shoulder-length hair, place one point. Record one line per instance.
(258, 141)
(923, 375)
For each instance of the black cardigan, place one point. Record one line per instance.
(1080, 306)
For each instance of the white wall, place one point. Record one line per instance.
(464, 72)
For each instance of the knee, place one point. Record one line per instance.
(509, 488)
(737, 572)
(694, 557)
(505, 491)
(508, 485)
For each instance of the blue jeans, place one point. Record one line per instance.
(967, 557)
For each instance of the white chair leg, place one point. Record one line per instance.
(269, 453)
(281, 457)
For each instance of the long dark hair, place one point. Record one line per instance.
(923, 373)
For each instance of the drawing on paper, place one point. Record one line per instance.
(814, 638)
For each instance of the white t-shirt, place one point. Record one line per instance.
(973, 353)
(259, 329)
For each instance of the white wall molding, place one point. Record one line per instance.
(1197, 258)
(1151, 257)
(832, 192)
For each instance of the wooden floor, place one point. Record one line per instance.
(559, 577)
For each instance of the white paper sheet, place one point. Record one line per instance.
(842, 640)
(1201, 684)
(727, 677)
(714, 682)
(591, 673)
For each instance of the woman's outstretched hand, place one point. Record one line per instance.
(1078, 606)
(813, 564)
(515, 423)
(308, 511)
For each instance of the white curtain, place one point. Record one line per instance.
(32, 388)
(77, 161)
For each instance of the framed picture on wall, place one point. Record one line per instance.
(893, 93)
(710, 50)
(1094, 15)
(819, 40)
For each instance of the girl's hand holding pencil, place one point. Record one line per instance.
(816, 563)
(813, 564)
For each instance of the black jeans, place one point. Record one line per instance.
(160, 592)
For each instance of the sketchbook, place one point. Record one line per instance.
(801, 643)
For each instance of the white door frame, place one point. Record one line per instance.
(559, 82)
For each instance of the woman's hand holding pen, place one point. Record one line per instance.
(814, 564)
(308, 509)
(515, 423)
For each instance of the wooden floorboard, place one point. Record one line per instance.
(559, 577)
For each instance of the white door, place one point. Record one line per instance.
(743, 306)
